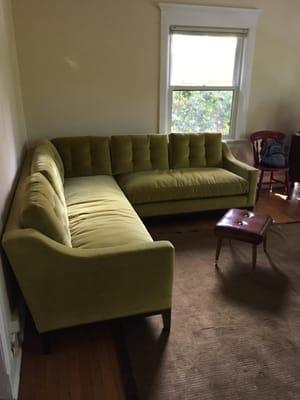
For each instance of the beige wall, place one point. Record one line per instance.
(93, 66)
(13, 138)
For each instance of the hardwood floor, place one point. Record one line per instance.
(276, 205)
(83, 364)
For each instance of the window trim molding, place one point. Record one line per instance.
(210, 17)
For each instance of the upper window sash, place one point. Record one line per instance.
(195, 87)
(198, 30)
(238, 34)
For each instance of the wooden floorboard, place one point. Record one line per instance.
(83, 364)
(275, 203)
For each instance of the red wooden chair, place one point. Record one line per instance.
(256, 140)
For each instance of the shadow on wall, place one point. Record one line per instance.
(286, 116)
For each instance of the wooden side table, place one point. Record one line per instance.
(245, 226)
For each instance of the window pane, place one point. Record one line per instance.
(198, 60)
(201, 111)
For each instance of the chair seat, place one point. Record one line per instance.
(257, 140)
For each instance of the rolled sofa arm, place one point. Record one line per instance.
(66, 286)
(243, 170)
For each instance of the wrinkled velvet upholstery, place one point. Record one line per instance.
(47, 161)
(100, 215)
(43, 210)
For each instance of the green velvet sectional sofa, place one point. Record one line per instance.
(74, 236)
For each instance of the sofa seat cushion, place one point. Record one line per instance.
(179, 184)
(100, 215)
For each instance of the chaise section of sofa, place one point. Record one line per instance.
(95, 262)
(100, 215)
(66, 286)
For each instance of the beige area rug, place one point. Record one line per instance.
(235, 333)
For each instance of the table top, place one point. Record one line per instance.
(243, 225)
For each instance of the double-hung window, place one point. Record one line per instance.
(206, 57)
(205, 75)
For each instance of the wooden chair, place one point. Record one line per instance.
(257, 139)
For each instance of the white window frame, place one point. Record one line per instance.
(208, 17)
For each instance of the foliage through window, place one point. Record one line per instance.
(204, 80)
(201, 111)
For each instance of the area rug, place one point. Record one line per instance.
(235, 333)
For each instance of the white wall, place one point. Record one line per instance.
(12, 143)
(92, 67)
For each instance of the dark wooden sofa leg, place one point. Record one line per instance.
(166, 317)
(45, 343)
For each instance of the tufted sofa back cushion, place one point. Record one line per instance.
(187, 150)
(43, 210)
(213, 149)
(84, 156)
(133, 153)
(195, 150)
(47, 161)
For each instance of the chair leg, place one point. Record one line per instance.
(287, 184)
(259, 184)
(218, 250)
(271, 182)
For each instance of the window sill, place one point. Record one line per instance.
(236, 141)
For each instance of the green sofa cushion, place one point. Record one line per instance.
(43, 210)
(213, 149)
(84, 156)
(179, 184)
(132, 153)
(47, 161)
(100, 215)
(187, 150)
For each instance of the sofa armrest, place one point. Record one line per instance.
(243, 170)
(66, 286)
